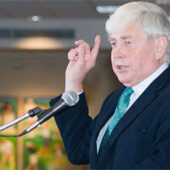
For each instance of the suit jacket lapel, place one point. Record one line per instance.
(108, 112)
(131, 115)
(102, 119)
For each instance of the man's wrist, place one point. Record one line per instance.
(80, 92)
(74, 87)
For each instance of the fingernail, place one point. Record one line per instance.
(96, 38)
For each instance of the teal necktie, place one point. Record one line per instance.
(118, 114)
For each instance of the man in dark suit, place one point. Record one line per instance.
(132, 130)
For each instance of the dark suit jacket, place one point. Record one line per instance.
(141, 139)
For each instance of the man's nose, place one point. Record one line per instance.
(118, 52)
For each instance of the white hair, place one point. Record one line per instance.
(148, 16)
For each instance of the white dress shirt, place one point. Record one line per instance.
(138, 90)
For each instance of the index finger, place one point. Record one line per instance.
(96, 45)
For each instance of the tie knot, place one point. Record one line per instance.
(127, 92)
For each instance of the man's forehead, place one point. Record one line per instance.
(123, 37)
(128, 33)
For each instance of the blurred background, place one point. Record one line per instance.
(35, 37)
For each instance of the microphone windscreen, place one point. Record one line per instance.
(70, 97)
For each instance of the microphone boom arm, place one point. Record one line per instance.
(31, 113)
(14, 122)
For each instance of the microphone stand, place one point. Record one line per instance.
(14, 122)
(31, 113)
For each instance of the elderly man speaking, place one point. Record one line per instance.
(132, 130)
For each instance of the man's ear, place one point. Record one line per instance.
(161, 45)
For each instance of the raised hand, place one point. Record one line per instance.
(82, 60)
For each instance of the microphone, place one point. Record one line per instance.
(68, 99)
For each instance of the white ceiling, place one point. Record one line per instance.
(60, 8)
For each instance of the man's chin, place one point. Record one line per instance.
(125, 82)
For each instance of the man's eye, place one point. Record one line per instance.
(113, 44)
(128, 42)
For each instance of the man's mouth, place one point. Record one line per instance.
(121, 67)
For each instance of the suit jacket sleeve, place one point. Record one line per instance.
(75, 127)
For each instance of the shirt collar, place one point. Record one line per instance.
(139, 88)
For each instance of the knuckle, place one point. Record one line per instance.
(93, 64)
(70, 51)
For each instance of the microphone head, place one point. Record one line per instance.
(70, 97)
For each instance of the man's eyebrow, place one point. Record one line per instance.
(126, 37)
(111, 39)
(122, 37)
